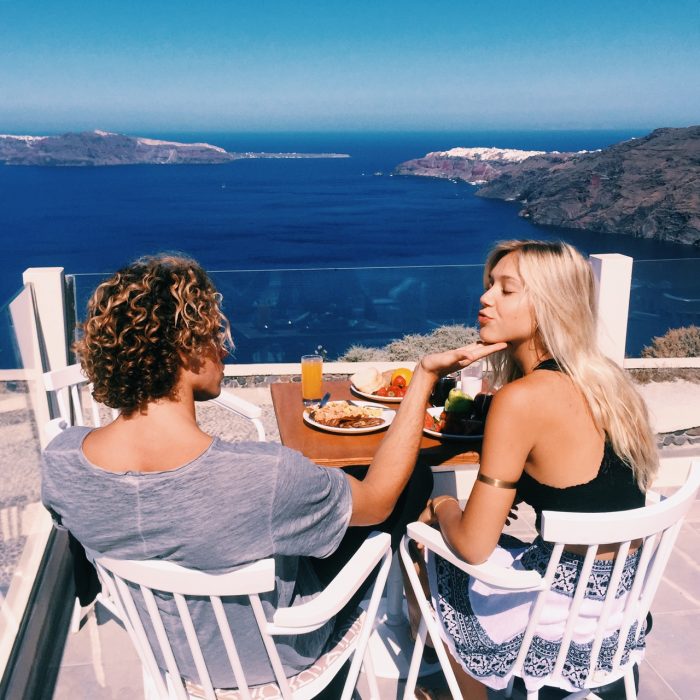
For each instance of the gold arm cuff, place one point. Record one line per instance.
(498, 483)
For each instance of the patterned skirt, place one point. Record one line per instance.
(483, 627)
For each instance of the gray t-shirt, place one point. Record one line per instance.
(234, 504)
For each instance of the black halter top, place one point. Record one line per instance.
(613, 488)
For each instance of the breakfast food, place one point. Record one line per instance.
(368, 380)
(341, 414)
(461, 415)
(391, 384)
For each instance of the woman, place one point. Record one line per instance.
(566, 431)
(153, 485)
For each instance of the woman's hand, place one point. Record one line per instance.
(429, 514)
(441, 363)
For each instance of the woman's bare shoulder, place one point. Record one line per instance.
(513, 403)
(517, 393)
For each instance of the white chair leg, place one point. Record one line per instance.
(95, 646)
(371, 677)
(414, 668)
(630, 688)
(76, 617)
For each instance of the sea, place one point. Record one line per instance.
(275, 215)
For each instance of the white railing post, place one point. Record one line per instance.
(47, 285)
(613, 275)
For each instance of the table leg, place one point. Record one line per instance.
(394, 594)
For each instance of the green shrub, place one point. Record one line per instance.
(413, 346)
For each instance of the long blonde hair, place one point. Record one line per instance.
(561, 288)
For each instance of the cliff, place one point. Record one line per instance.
(95, 148)
(647, 187)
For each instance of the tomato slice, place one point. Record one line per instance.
(399, 381)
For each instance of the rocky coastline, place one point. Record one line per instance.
(102, 148)
(647, 187)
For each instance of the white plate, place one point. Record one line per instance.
(374, 397)
(387, 416)
(435, 413)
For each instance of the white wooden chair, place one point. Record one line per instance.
(74, 399)
(250, 581)
(68, 385)
(73, 394)
(657, 525)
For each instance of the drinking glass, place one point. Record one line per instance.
(442, 389)
(471, 379)
(311, 374)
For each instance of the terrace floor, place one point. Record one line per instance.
(99, 662)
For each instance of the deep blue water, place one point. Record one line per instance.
(272, 214)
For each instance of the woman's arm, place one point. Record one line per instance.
(508, 440)
(374, 498)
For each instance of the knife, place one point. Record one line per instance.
(324, 400)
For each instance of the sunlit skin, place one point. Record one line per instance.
(506, 314)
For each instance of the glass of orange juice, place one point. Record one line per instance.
(311, 375)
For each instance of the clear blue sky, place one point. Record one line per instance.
(290, 65)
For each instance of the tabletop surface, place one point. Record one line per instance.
(334, 450)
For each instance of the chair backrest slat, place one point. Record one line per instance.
(631, 614)
(77, 403)
(163, 642)
(230, 646)
(529, 633)
(579, 594)
(658, 565)
(270, 647)
(610, 597)
(131, 620)
(94, 408)
(195, 649)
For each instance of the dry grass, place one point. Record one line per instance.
(676, 342)
(413, 346)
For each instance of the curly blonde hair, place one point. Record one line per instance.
(144, 323)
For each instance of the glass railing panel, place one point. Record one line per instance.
(9, 352)
(665, 294)
(24, 523)
(278, 315)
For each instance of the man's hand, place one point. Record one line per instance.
(441, 363)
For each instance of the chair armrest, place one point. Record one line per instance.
(498, 576)
(238, 405)
(331, 600)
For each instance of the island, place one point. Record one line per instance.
(98, 148)
(646, 187)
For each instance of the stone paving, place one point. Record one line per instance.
(19, 476)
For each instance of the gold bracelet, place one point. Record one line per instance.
(441, 500)
(498, 483)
